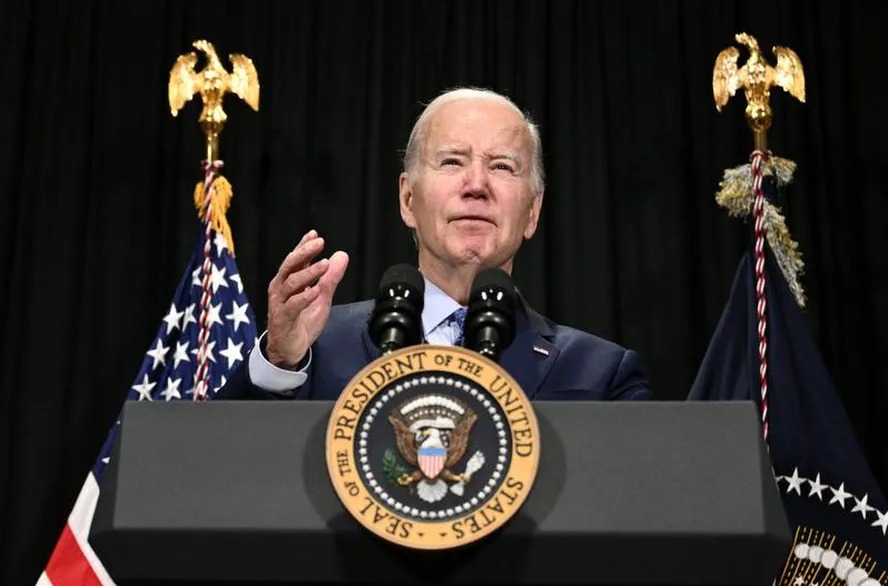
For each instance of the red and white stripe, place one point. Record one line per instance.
(202, 375)
(431, 466)
(761, 302)
(73, 561)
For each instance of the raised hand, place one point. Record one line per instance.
(299, 299)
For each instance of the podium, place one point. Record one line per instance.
(626, 493)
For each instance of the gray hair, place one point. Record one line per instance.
(414, 143)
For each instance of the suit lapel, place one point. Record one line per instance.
(369, 347)
(531, 354)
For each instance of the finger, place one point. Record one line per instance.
(300, 257)
(307, 236)
(310, 235)
(297, 282)
(296, 303)
(334, 273)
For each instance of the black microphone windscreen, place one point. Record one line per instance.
(492, 277)
(490, 320)
(396, 320)
(402, 274)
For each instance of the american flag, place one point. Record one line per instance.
(167, 374)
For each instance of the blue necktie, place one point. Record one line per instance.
(459, 318)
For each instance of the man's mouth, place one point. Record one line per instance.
(473, 218)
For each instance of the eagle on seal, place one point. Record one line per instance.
(432, 434)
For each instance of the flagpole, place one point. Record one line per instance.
(202, 375)
(212, 196)
(756, 77)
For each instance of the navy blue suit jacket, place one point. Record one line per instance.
(578, 366)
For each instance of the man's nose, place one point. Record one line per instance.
(476, 179)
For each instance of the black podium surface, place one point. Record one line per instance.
(626, 493)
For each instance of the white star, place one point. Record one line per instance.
(172, 389)
(816, 487)
(217, 278)
(839, 495)
(862, 507)
(144, 389)
(221, 243)
(222, 384)
(181, 354)
(213, 315)
(238, 314)
(798, 581)
(882, 522)
(795, 483)
(210, 347)
(195, 276)
(188, 317)
(172, 318)
(233, 352)
(158, 353)
(236, 278)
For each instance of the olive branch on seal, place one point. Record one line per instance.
(390, 466)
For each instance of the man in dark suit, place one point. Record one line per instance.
(471, 191)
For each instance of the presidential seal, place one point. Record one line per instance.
(432, 447)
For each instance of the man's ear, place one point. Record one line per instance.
(405, 196)
(533, 221)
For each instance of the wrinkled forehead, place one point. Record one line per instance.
(479, 126)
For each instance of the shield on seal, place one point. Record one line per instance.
(431, 460)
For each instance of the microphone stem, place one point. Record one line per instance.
(488, 349)
(392, 339)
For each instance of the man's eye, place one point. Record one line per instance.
(504, 167)
(450, 161)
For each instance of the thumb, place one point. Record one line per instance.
(335, 271)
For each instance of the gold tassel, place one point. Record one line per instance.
(736, 195)
(221, 194)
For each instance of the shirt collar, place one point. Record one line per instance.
(437, 307)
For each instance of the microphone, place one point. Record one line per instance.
(396, 320)
(490, 319)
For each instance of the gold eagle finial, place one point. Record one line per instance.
(756, 77)
(212, 83)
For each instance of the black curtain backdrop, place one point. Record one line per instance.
(96, 178)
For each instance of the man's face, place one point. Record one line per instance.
(469, 197)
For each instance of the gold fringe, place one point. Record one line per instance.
(736, 196)
(221, 192)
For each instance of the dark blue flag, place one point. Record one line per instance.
(832, 500)
(168, 373)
